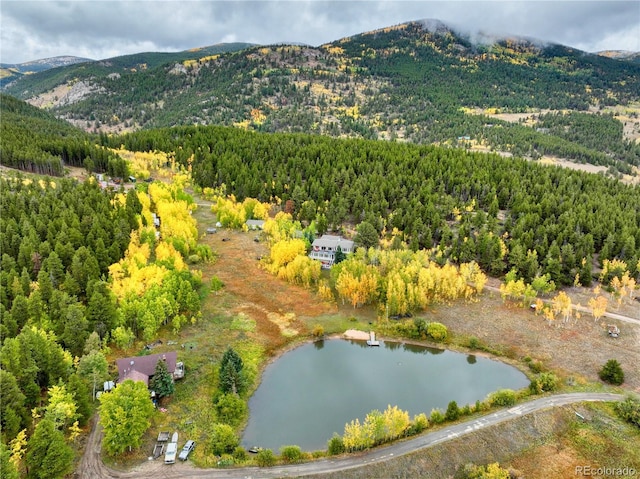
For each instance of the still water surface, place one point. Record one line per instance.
(312, 391)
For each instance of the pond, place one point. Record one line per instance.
(309, 393)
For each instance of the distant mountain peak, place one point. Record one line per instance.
(620, 55)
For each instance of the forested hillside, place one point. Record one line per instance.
(34, 140)
(11, 72)
(82, 269)
(418, 81)
(36, 84)
(502, 213)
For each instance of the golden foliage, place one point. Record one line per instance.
(598, 306)
(281, 227)
(302, 270)
(284, 252)
(324, 290)
(562, 305)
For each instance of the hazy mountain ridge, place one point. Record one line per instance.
(49, 78)
(10, 72)
(625, 55)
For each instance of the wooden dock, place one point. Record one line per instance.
(372, 339)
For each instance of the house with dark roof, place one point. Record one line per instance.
(324, 249)
(142, 368)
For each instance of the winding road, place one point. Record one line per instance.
(92, 467)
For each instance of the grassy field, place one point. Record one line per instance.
(261, 316)
(543, 445)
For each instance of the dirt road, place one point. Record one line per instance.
(92, 467)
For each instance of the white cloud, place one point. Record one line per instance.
(98, 29)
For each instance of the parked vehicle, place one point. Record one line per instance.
(172, 450)
(186, 450)
(170, 454)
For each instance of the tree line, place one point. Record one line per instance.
(503, 213)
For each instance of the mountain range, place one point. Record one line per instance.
(419, 81)
(12, 71)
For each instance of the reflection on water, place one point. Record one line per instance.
(312, 391)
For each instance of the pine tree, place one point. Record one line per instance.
(48, 455)
(162, 382)
(612, 372)
(231, 379)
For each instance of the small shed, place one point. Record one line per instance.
(255, 224)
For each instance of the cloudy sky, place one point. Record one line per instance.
(98, 29)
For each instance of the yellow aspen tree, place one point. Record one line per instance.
(18, 447)
(325, 291)
(285, 251)
(166, 252)
(562, 305)
(629, 285)
(618, 290)
(549, 315)
(351, 437)
(539, 306)
(396, 422)
(598, 306)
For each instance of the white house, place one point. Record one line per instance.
(324, 249)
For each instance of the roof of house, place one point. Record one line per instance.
(332, 241)
(140, 368)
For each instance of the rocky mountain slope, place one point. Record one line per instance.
(419, 81)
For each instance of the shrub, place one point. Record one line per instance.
(226, 460)
(240, 454)
(436, 416)
(466, 410)
(453, 411)
(544, 382)
(536, 366)
(216, 284)
(420, 326)
(629, 410)
(474, 343)
(437, 331)
(503, 397)
(612, 372)
(223, 439)
(230, 409)
(266, 458)
(291, 454)
(194, 259)
(419, 424)
(493, 470)
(318, 331)
(335, 445)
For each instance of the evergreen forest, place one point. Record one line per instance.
(503, 213)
